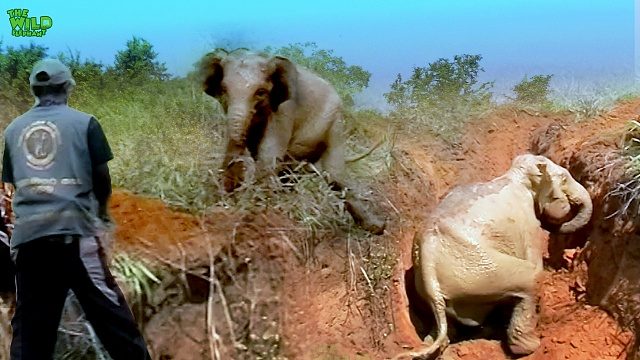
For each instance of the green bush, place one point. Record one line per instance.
(138, 61)
(534, 91)
(15, 68)
(441, 97)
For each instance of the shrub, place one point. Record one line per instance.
(441, 97)
(15, 68)
(534, 91)
(139, 61)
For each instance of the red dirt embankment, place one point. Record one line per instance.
(569, 329)
(611, 256)
(314, 307)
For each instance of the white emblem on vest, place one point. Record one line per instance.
(40, 142)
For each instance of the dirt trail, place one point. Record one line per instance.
(320, 314)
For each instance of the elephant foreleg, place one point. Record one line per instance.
(521, 333)
(273, 146)
(518, 277)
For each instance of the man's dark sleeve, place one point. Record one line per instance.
(99, 148)
(7, 168)
(100, 154)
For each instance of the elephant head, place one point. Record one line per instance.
(250, 88)
(559, 198)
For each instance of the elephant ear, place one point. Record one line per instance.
(542, 172)
(284, 79)
(211, 73)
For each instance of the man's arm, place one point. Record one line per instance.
(102, 189)
(7, 168)
(100, 153)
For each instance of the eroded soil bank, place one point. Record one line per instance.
(570, 327)
(610, 261)
(284, 307)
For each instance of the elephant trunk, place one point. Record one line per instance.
(238, 122)
(578, 195)
(239, 119)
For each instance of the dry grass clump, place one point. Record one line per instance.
(628, 190)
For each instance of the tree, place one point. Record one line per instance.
(85, 72)
(15, 67)
(533, 91)
(139, 60)
(440, 82)
(348, 80)
(441, 97)
(16, 63)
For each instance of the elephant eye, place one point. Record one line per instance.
(261, 92)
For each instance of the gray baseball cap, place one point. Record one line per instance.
(51, 72)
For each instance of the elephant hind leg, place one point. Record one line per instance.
(332, 162)
(428, 287)
(363, 215)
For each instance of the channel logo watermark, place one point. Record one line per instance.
(22, 25)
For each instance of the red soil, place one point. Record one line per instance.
(142, 219)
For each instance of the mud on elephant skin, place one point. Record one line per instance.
(277, 110)
(483, 245)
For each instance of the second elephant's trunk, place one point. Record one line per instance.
(578, 195)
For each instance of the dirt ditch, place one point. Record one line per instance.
(610, 259)
(275, 306)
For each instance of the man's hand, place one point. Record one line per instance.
(105, 216)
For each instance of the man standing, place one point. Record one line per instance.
(56, 157)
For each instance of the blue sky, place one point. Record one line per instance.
(576, 40)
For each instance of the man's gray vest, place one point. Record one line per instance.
(52, 173)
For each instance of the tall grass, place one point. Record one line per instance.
(165, 138)
(587, 101)
(168, 140)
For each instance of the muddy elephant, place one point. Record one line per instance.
(483, 245)
(277, 110)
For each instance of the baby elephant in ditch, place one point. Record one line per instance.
(483, 245)
(277, 110)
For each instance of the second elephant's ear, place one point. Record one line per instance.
(283, 78)
(542, 176)
(211, 73)
(542, 168)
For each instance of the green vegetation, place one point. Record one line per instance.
(15, 67)
(137, 281)
(533, 91)
(441, 97)
(138, 60)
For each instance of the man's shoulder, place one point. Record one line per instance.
(33, 115)
(79, 113)
(16, 122)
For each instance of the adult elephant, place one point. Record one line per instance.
(277, 110)
(483, 245)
